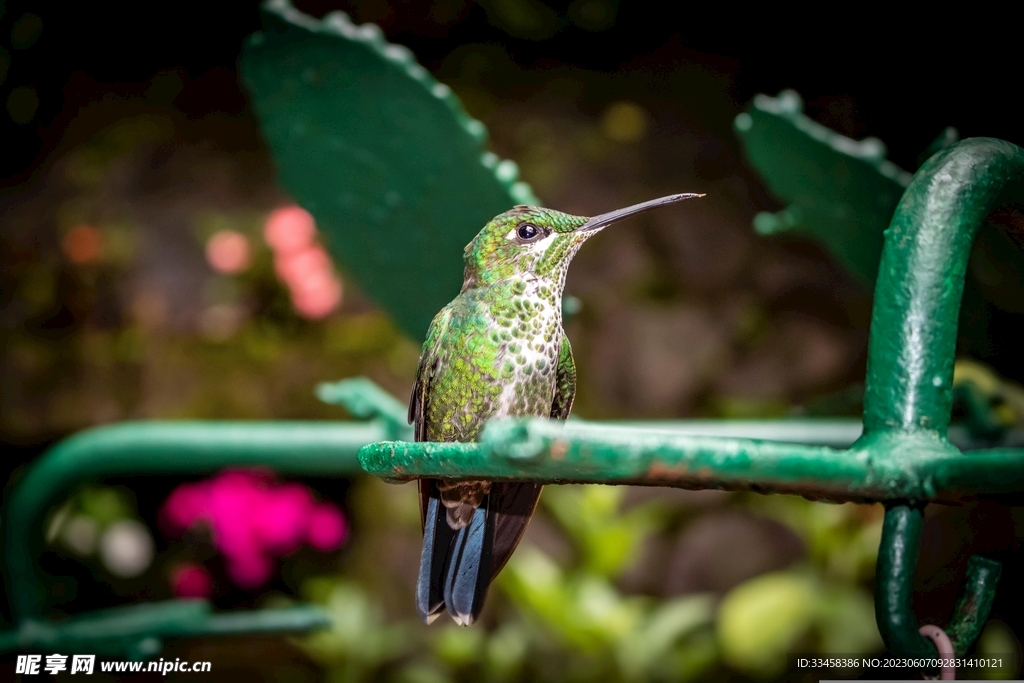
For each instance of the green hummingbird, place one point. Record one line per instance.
(497, 350)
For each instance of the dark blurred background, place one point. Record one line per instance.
(897, 78)
(129, 119)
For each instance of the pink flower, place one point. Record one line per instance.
(316, 291)
(291, 266)
(227, 251)
(289, 228)
(280, 522)
(249, 571)
(191, 581)
(183, 508)
(327, 527)
(301, 263)
(254, 520)
(315, 298)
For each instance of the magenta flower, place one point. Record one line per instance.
(327, 528)
(254, 520)
(191, 581)
(281, 520)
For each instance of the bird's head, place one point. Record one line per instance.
(534, 242)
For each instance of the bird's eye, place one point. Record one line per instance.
(528, 232)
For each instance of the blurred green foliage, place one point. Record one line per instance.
(998, 642)
(557, 623)
(561, 614)
(821, 605)
(100, 505)
(100, 527)
(360, 641)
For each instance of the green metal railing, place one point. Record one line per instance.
(174, 448)
(904, 457)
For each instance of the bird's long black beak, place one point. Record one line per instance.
(605, 219)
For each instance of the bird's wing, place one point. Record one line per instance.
(511, 505)
(565, 382)
(514, 502)
(418, 402)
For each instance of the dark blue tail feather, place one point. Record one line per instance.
(455, 566)
(437, 539)
(468, 576)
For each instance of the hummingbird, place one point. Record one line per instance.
(497, 350)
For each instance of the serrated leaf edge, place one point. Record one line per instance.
(338, 24)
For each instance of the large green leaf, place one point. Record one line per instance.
(843, 192)
(384, 157)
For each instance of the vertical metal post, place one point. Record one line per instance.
(911, 352)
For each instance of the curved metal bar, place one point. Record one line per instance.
(894, 580)
(909, 386)
(154, 448)
(977, 594)
(921, 279)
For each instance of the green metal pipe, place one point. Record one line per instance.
(894, 582)
(885, 467)
(909, 385)
(160, 448)
(975, 602)
(133, 629)
(294, 619)
(552, 452)
(921, 279)
(831, 432)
